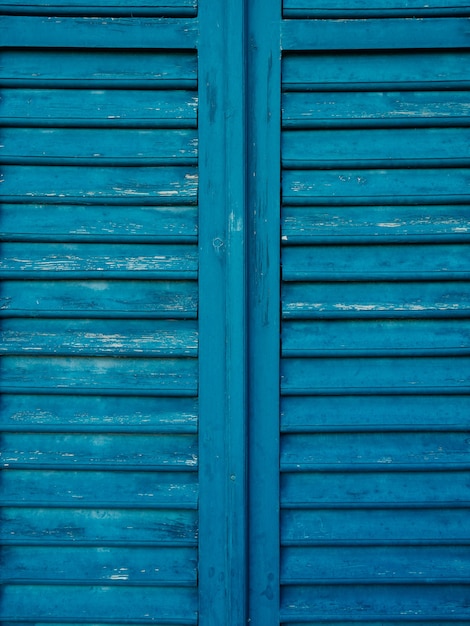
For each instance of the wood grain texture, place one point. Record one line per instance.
(104, 527)
(160, 8)
(419, 413)
(99, 224)
(112, 566)
(378, 8)
(364, 109)
(98, 185)
(98, 108)
(369, 300)
(93, 69)
(376, 71)
(388, 224)
(99, 299)
(106, 375)
(58, 602)
(94, 488)
(98, 32)
(98, 414)
(98, 147)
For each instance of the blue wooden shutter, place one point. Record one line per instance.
(142, 308)
(99, 313)
(375, 302)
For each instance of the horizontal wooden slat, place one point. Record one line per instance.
(379, 109)
(92, 338)
(86, 451)
(69, 223)
(374, 451)
(97, 69)
(304, 225)
(98, 32)
(23, 413)
(146, 604)
(41, 260)
(95, 185)
(376, 262)
(99, 299)
(366, 602)
(375, 300)
(98, 147)
(363, 338)
(126, 376)
(305, 621)
(111, 566)
(387, 490)
(46, 526)
(100, 489)
(411, 147)
(369, 71)
(374, 34)
(418, 526)
(379, 413)
(98, 108)
(379, 565)
(377, 8)
(364, 375)
(382, 186)
(103, 7)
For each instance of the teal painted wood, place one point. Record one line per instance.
(91, 68)
(99, 411)
(372, 71)
(98, 224)
(401, 109)
(157, 299)
(79, 108)
(98, 147)
(160, 8)
(65, 32)
(387, 224)
(379, 34)
(374, 409)
(223, 311)
(378, 8)
(420, 413)
(145, 491)
(97, 414)
(263, 167)
(375, 299)
(99, 185)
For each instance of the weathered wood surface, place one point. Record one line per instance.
(140, 489)
(376, 71)
(364, 148)
(99, 298)
(371, 299)
(98, 32)
(385, 338)
(388, 224)
(127, 603)
(102, 7)
(363, 109)
(100, 224)
(97, 147)
(97, 69)
(378, 8)
(98, 108)
(99, 414)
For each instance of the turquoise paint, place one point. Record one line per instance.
(190, 435)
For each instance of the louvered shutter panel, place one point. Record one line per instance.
(375, 301)
(99, 313)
